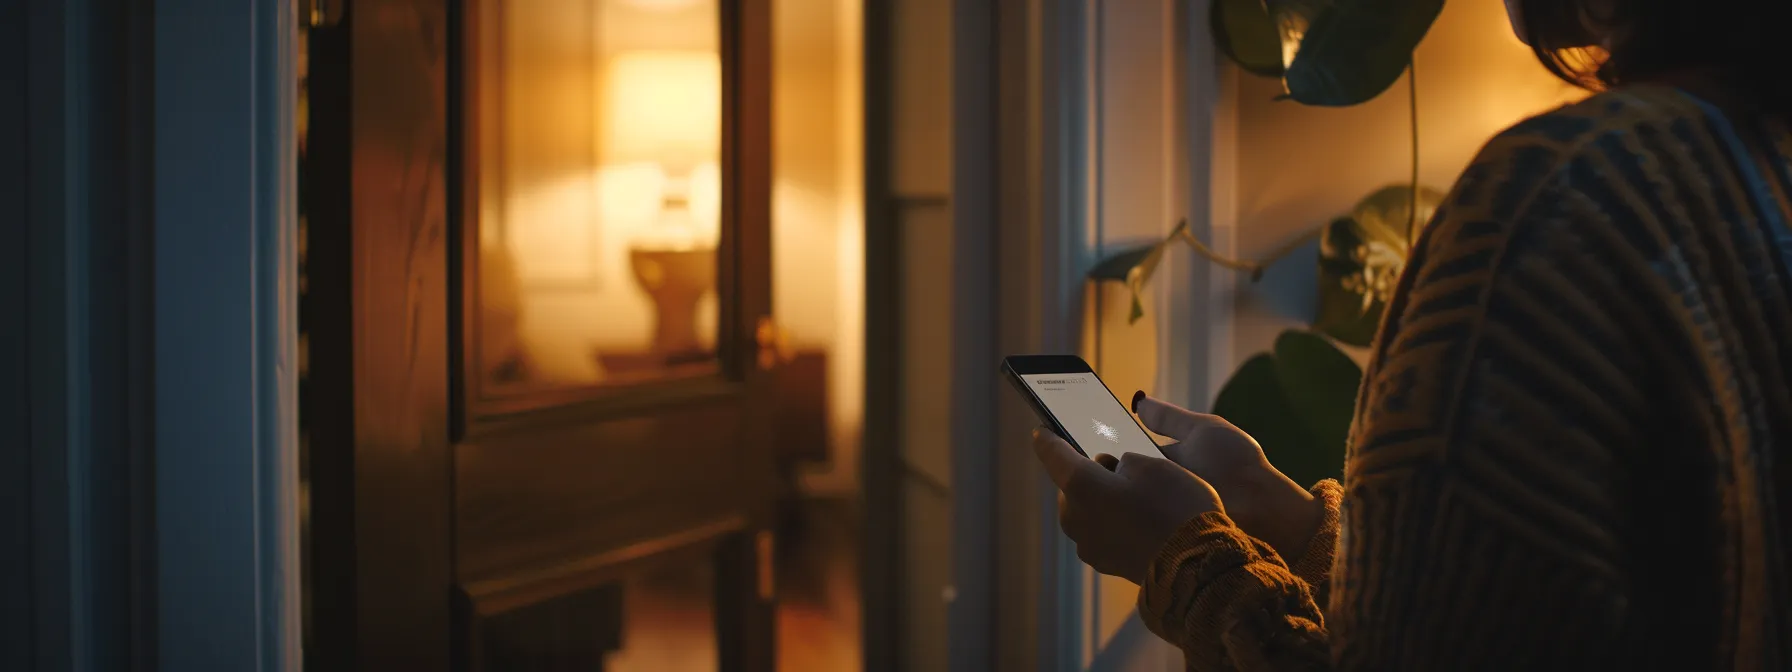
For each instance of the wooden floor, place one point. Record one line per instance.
(819, 608)
(668, 615)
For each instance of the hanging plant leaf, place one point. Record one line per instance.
(1297, 403)
(1116, 267)
(1132, 267)
(1360, 260)
(1345, 311)
(1245, 34)
(1255, 401)
(1344, 52)
(1321, 383)
(1386, 214)
(1135, 267)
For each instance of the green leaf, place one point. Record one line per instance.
(1117, 267)
(1360, 260)
(1253, 399)
(1345, 52)
(1297, 403)
(1134, 267)
(1343, 317)
(1345, 311)
(1386, 213)
(1321, 383)
(1245, 34)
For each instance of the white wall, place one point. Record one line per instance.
(1298, 167)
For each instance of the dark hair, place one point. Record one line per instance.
(1732, 40)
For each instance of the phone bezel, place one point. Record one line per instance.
(1015, 366)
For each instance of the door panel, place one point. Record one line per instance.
(540, 495)
(531, 446)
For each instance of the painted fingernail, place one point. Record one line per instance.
(1136, 398)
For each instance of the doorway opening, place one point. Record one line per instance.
(538, 325)
(818, 294)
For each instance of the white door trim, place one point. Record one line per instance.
(1193, 299)
(225, 304)
(1206, 311)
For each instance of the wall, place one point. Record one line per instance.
(1133, 124)
(818, 210)
(1298, 167)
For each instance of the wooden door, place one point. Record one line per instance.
(536, 310)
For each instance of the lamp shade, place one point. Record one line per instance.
(664, 107)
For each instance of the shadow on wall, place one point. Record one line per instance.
(1288, 290)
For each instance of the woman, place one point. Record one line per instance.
(1570, 449)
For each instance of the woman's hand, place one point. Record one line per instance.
(1120, 512)
(1259, 499)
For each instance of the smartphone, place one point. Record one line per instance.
(1068, 397)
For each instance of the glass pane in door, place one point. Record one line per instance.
(595, 166)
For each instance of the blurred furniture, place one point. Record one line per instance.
(802, 419)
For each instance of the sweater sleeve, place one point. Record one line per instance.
(1481, 515)
(1314, 566)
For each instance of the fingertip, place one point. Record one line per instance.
(1107, 461)
(1136, 398)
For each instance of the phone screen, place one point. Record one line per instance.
(1093, 417)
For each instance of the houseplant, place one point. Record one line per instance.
(1297, 400)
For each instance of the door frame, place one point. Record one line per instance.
(1026, 75)
(77, 540)
(226, 407)
(1194, 300)
(157, 367)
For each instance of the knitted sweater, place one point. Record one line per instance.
(1565, 450)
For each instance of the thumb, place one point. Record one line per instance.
(1062, 462)
(1132, 463)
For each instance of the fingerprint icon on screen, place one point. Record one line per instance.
(1106, 431)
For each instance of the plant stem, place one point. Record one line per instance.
(1255, 267)
(1412, 211)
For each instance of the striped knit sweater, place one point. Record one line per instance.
(1564, 455)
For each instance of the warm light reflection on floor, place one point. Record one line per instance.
(818, 613)
(669, 622)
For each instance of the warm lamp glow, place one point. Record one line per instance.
(632, 198)
(664, 107)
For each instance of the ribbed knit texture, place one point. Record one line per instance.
(1565, 449)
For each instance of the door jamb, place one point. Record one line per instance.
(226, 440)
(1194, 299)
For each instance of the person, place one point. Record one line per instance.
(1569, 448)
